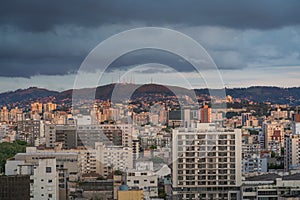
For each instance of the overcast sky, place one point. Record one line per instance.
(43, 43)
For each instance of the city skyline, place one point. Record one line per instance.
(141, 100)
(249, 45)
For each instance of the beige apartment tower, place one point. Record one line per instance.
(206, 163)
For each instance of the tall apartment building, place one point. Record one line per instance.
(36, 107)
(279, 114)
(67, 163)
(274, 136)
(111, 158)
(45, 180)
(16, 115)
(291, 152)
(251, 160)
(44, 177)
(72, 136)
(3, 131)
(188, 115)
(292, 145)
(206, 163)
(123, 131)
(205, 114)
(86, 158)
(4, 115)
(245, 118)
(29, 131)
(49, 107)
(50, 135)
(64, 134)
(296, 124)
(135, 149)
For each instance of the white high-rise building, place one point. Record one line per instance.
(291, 152)
(292, 146)
(111, 157)
(206, 163)
(251, 160)
(44, 179)
(296, 124)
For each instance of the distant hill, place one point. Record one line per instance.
(256, 93)
(25, 95)
(121, 91)
(262, 94)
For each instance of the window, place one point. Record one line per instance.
(50, 195)
(136, 181)
(49, 181)
(48, 169)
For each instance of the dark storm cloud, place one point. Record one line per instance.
(38, 15)
(53, 37)
(27, 67)
(146, 56)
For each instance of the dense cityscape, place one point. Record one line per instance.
(151, 147)
(150, 100)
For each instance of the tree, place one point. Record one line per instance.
(9, 150)
(162, 194)
(273, 154)
(254, 132)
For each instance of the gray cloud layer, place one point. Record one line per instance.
(35, 15)
(53, 37)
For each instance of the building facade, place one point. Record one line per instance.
(206, 163)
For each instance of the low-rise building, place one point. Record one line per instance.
(271, 186)
(15, 187)
(111, 158)
(143, 180)
(125, 194)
